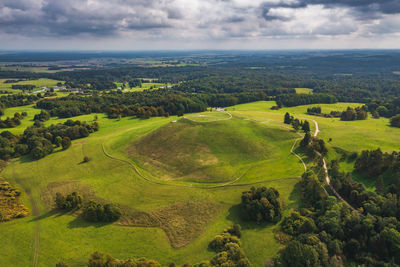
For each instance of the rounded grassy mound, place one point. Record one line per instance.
(214, 152)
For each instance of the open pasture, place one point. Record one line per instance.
(186, 177)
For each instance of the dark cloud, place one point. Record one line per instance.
(363, 9)
(75, 17)
(195, 19)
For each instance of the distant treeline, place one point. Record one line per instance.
(28, 87)
(163, 102)
(291, 100)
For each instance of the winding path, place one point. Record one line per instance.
(327, 179)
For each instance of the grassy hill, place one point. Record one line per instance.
(179, 158)
(217, 151)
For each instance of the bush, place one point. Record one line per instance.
(262, 204)
(72, 201)
(96, 212)
(86, 159)
(66, 142)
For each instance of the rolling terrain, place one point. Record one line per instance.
(177, 179)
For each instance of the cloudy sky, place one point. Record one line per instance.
(198, 24)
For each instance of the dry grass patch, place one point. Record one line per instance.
(182, 222)
(65, 188)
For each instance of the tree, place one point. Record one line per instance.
(395, 121)
(58, 141)
(382, 111)
(288, 119)
(296, 124)
(66, 142)
(306, 126)
(379, 185)
(306, 140)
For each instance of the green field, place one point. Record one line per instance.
(145, 86)
(304, 91)
(182, 164)
(38, 83)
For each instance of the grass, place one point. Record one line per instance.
(218, 151)
(38, 83)
(145, 86)
(116, 182)
(254, 142)
(25, 122)
(304, 91)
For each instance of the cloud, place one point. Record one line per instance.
(198, 20)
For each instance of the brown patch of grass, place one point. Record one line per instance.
(10, 208)
(182, 222)
(176, 148)
(65, 188)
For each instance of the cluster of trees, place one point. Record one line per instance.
(395, 121)
(296, 123)
(261, 205)
(42, 116)
(313, 145)
(351, 114)
(314, 110)
(375, 162)
(14, 121)
(386, 107)
(327, 233)
(17, 100)
(290, 100)
(317, 111)
(135, 82)
(27, 87)
(70, 202)
(228, 249)
(97, 212)
(39, 141)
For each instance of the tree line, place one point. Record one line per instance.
(39, 141)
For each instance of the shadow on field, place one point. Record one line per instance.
(294, 197)
(78, 222)
(48, 214)
(235, 215)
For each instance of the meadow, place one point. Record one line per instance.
(191, 166)
(38, 83)
(145, 86)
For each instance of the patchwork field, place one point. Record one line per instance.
(178, 180)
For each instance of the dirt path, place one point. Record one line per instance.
(327, 179)
(35, 213)
(230, 117)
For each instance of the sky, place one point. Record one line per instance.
(198, 24)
